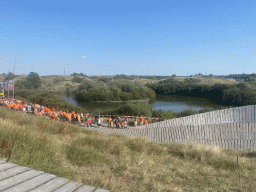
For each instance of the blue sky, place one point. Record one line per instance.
(110, 37)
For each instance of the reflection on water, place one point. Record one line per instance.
(181, 103)
(165, 103)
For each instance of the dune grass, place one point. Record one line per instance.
(118, 163)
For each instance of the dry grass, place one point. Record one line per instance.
(118, 163)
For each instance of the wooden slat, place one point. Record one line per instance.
(12, 171)
(4, 166)
(17, 179)
(32, 183)
(71, 186)
(88, 189)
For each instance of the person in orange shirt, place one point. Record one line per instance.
(21, 107)
(12, 105)
(141, 120)
(55, 115)
(109, 121)
(16, 107)
(8, 105)
(35, 112)
(122, 124)
(73, 117)
(69, 117)
(135, 122)
(50, 114)
(41, 114)
(146, 121)
(78, 118)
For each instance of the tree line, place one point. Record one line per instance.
(240, 94)
(112, 90)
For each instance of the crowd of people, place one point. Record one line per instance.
(67, 116)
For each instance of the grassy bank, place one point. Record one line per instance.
(118, 163)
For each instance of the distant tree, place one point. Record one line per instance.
(77, 79)
(74, 74)
(211, 75)
(122, 77)
(173, 75)
(10, 76)
(33, 80)
(81, 74)
(200, 74)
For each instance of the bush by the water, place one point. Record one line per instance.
(116, 90)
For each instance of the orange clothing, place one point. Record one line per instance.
(146, 122)
(122, 124)
(109, 120)
(41, 114)
(135, 123)
(141, 119)
(78, 117)
(69, 115)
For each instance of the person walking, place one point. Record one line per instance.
(109, 121)
(135, 122)
(125, 124)
(82, 117)
(99, 122)
(146, 122)
(96, 117)
(88, 122)
(78, 118)
(141, 120)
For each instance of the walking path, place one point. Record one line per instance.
(18, 178)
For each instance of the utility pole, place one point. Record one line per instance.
(14, 67)
(13, 83)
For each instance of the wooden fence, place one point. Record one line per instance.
(240, 136)
(245, 114)
(229, 128)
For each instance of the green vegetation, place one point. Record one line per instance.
(77, 79)
(240, 94)
(31, 82)
(47, 98)
(133, 108)
(108, 90)
(10, 76)
(118, 163)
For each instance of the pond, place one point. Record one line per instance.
(165, 103)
